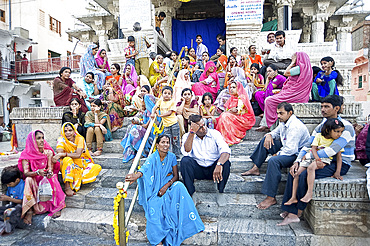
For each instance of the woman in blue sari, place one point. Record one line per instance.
(88, 64)
(136, 131)
(171, 216)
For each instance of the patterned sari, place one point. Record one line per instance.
(135, 133)
(37, 160)
(77, 171)
(233, 127)
(172, 217)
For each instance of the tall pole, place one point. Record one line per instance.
(10, 15)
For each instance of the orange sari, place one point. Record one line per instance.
(233, 127)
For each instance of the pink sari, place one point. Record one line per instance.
(128, 88)
(296, 89)
(199, 88)
(37, 160)
(100, 61)
(180, 84)
(233, 127)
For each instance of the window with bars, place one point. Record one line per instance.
(2, 15)
(360, 82)
(41, 18)
(55, 25)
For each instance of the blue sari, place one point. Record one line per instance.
(135, 133)
(173, 217)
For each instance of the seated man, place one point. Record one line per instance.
(206, 156)
(330, 108)
(281, 52)
(285, 141)
(269, 45)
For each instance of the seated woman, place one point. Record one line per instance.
(138, 99)
(75, 116)
(231, 63)
(199, 67)
(169, 210)
(162, 80)
(115, 103)
(115, 75)
(77, 166)
(65, 89)
(255, 79)
(296, 88)
(192, 56)
(129, 83)
(154, 69)
(183, 81)
(273, 81)
(98, 126)
(88, 64)
(102, 60)
(238, 117)
(136, 131)
(186, 107)
(89, 87)
(221, 61)
(326, 81)
(36, 162)
(208, 81)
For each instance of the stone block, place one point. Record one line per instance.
(340, 208)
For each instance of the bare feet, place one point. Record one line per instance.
(268, 202)
(284, 214)
(290, 218)
(254, 171)
(263, 129)
(68, 190)
(291, 201)
(98, 152)
(56, 214)
(28, 217)
(307, 198)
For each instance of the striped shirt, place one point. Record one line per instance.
(293, 135)
(346, 141)
(140, 45)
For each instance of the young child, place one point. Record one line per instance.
(158, 22)
(255, 79)
(331, 130)
(167, 111)
(130, 51)
(207, 110)
(10, 215)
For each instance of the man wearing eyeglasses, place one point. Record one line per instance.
(206, 156)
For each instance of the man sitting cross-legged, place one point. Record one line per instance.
(206, 156)
(285, 141)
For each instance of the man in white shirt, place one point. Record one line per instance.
(286, 141)
(206, 156)
(268, 46)
(201, 48)
(280, 53)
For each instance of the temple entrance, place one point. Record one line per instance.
(204, 17)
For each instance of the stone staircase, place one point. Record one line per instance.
(88, 216)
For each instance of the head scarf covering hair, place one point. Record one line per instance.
(88, 62)
(100, 60)
(128, 88)
(32, 154)
(213, 74)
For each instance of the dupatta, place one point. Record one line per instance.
(36, 159)
(128, 88)
(117, 91)
(241, 101)
(88, 62)
(100, 61)
(213, 74)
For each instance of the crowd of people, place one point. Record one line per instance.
(206, 104)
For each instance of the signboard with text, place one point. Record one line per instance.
(135, 11)
(244, 11)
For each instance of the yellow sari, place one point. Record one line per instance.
(153, 75)
(76, 170)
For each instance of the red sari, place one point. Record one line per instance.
(233, 127)
(64, 92)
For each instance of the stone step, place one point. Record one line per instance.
(238, 205)
(113, 146)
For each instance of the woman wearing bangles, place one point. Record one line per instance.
(169, 210)
(77, 166)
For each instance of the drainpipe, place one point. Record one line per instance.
(10, 15)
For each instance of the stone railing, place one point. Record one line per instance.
(48, 120)
(117, 46)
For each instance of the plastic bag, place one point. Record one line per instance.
(45, 191)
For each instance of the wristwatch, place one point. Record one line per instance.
(219, 164)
